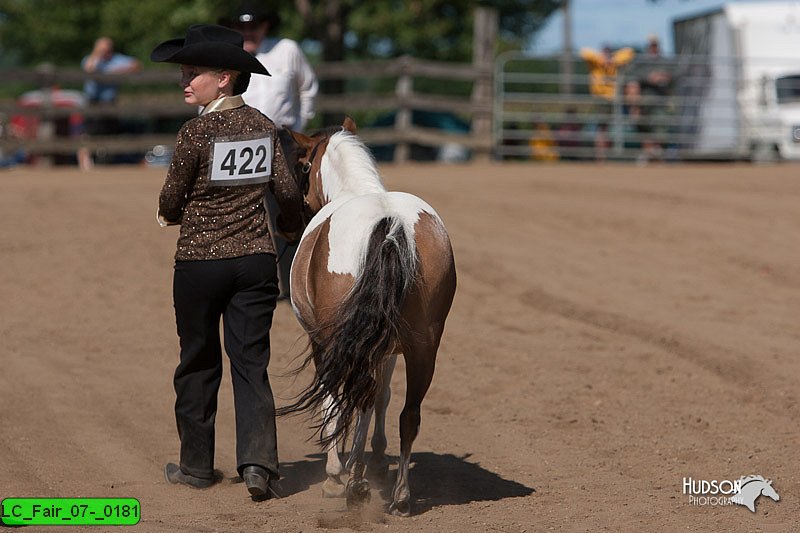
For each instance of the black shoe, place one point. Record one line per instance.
(261, 484)
(175, 475)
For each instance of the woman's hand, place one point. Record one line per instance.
(291, 232)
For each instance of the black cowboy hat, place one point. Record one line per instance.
(207, 45)
(253, 12)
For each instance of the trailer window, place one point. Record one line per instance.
(788, 89)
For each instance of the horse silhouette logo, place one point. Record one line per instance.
(751, 488)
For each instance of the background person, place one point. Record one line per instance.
(542, 143)
(603, 69)
(225, 260)
(287, 96)
(568, 135)
(654, 75)
(103, 60)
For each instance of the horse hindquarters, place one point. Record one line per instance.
(363, 330)
(351, 343)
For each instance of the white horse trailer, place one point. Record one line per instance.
(749, 102)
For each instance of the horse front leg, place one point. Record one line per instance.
(378, 466)
(333, 486)
(357, 486)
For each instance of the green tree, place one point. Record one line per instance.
(430, 29)
(36, 31)
(62, 32)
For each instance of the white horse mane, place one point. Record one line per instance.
(744, 480)
(348, 167)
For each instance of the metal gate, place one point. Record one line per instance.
(547, 110)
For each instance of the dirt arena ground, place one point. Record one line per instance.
(616, 329)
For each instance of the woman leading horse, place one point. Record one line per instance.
(225, 261)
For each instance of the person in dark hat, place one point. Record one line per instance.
(253, 21)
(287, 97)
(225, 264)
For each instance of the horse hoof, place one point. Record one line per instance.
(401, 508)
(332, 489)
(357, 494)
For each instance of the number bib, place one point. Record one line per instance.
(241, 162)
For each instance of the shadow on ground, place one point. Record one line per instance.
(436, 480)
(299, 476)
(445, 479)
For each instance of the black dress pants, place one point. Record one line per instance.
(242, 291)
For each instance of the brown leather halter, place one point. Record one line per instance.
(305, 171)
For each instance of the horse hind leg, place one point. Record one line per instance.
(333, 486)
(420, 363)
(378, 466)
(357, 490)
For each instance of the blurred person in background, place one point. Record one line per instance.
(654, 75)
(103, 60)
(603, 69)
(568, 135)
(542, 143)
(287, 96)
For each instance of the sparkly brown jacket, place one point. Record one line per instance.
(219, 222)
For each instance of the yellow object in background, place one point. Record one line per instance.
(603, 68)
(543, 146)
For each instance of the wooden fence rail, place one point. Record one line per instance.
(166, 105)
(405, 99)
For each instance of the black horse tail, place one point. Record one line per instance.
(349, 351)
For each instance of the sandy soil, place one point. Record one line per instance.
(615, 330)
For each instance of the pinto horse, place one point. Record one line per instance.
(373, 277)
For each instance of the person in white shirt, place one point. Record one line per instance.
(287, 96)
